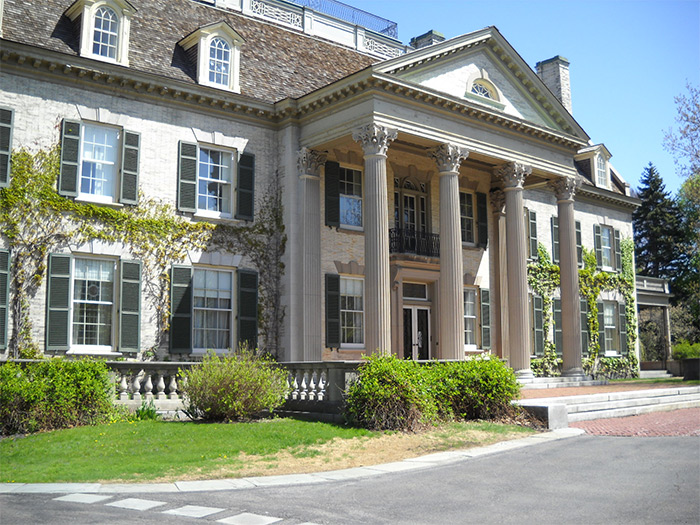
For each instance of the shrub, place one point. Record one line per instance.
(390, 394)
(53, 394)
(686, 350)
(233, 387)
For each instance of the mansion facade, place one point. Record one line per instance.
(417, 184)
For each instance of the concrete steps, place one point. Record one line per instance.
(654, 374)
(560, 411)
(557, 382)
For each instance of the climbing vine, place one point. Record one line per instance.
(36, 221)
(543, 278)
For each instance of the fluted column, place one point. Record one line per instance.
(499, 284)
(309, 164)
(448, 158)
(512, 175)
(375, 141)
(565, 188)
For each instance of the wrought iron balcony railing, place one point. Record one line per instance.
(415, 242)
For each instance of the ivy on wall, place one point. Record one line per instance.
(36, 221)
(544, 279)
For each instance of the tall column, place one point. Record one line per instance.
(513, 175)
(375, 141)
(448, 158)
(565, 188)
(499, 283)
(309, 164)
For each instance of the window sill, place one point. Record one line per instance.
(93, 351)
(350, 346)
(213, 216)
(612, 354)
(91, 199)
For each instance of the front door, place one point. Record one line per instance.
(416, 332)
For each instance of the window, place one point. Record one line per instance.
(214, 177)
(466, 212)
(607, 248)
(219, 62)
(470, 318)
(93, 303)
(351, 311)
(98, 161)
(415, 291)
(555, 241)
(530, 218)
(104, 39)
(212, 309)
(606, 243)
(6, 117)
(483, 88)
(350, 192)
(601, 172)
(610, 316)
(473, 218)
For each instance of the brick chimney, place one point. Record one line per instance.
(427, 39)
(555, 75)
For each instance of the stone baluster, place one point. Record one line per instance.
(172, 387)
(304, 387)
(160, 387)
(312, 386)
(136, 387)
(322, 385)
(123, 387)
(148, 387)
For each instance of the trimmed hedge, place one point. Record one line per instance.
(393, 394)
(53, 394)
(686, 350)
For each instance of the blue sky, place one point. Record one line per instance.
(629, 58)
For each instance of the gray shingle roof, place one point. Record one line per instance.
(275, 62)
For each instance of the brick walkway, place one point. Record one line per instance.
(684, 422)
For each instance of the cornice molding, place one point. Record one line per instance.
(594, 194)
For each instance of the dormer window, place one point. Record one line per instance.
(601, 172)
(104, 28)
(215, 51)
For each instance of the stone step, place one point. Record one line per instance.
(633, 411)
(605, 406)
(558, 382)
(654, 374)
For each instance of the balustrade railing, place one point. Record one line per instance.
(414, 242)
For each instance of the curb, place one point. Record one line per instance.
(431, 460)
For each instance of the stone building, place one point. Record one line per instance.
(417, 183)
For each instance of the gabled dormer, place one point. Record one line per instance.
(215, 51)
(594, 163)
(103, 26)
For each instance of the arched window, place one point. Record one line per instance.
(104, 40)
(219, 62)
(485, 89)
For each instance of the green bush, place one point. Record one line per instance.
(233, 387)
(390, 394)
(53, 394)
(686, 350)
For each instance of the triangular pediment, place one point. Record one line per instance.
(483, 70)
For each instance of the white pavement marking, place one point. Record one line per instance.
(193, 511)
(249, 519)
(136, 504)
(82, 498)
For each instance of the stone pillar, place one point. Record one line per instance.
(565, 188)
(499, 283)
(512, 176)
(309, 164)
(375, 141)
(667, 330)
(448, 158)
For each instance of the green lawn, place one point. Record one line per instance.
(148, 450)
(670, 381)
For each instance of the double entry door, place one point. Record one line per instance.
(416, 332)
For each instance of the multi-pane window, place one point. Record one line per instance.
(219, 62)
(469, 316)
(466, 215)
(606, 245)
(610, 326)
(215, 169)
(351, 311)
(98, 160)
(350, 190)
(93, 302)
(212, 291)
(104, 39)
(601, 172)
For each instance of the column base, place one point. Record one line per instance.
(574, 372)
(525, 373)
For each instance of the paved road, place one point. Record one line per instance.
(585, 479)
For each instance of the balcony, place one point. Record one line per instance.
(414, 242)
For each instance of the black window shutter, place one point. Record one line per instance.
(70, 152)
(4, 296)
(181, 310)
(245, 206)
(538, 325)
(558, 334)
(601, 327)
(579, 244)
(482, 220)
(618, 251)
(584, 327)
(130, 168)
(187, 177)
(555, 239)
(130, 307)
(332, 193)
(485, 319)
(6, 116)
(58, 302)
(248, 308)
(332, 310)
(533, 234)
(623, 329)
(598, 245)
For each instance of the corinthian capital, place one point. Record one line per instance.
(309, 162)
(498, 200)
(565, 187)
(374, 139)
(448, 157)
(512, 174)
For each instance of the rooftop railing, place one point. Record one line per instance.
(352, 15)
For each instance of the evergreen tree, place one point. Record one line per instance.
(658, 231)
